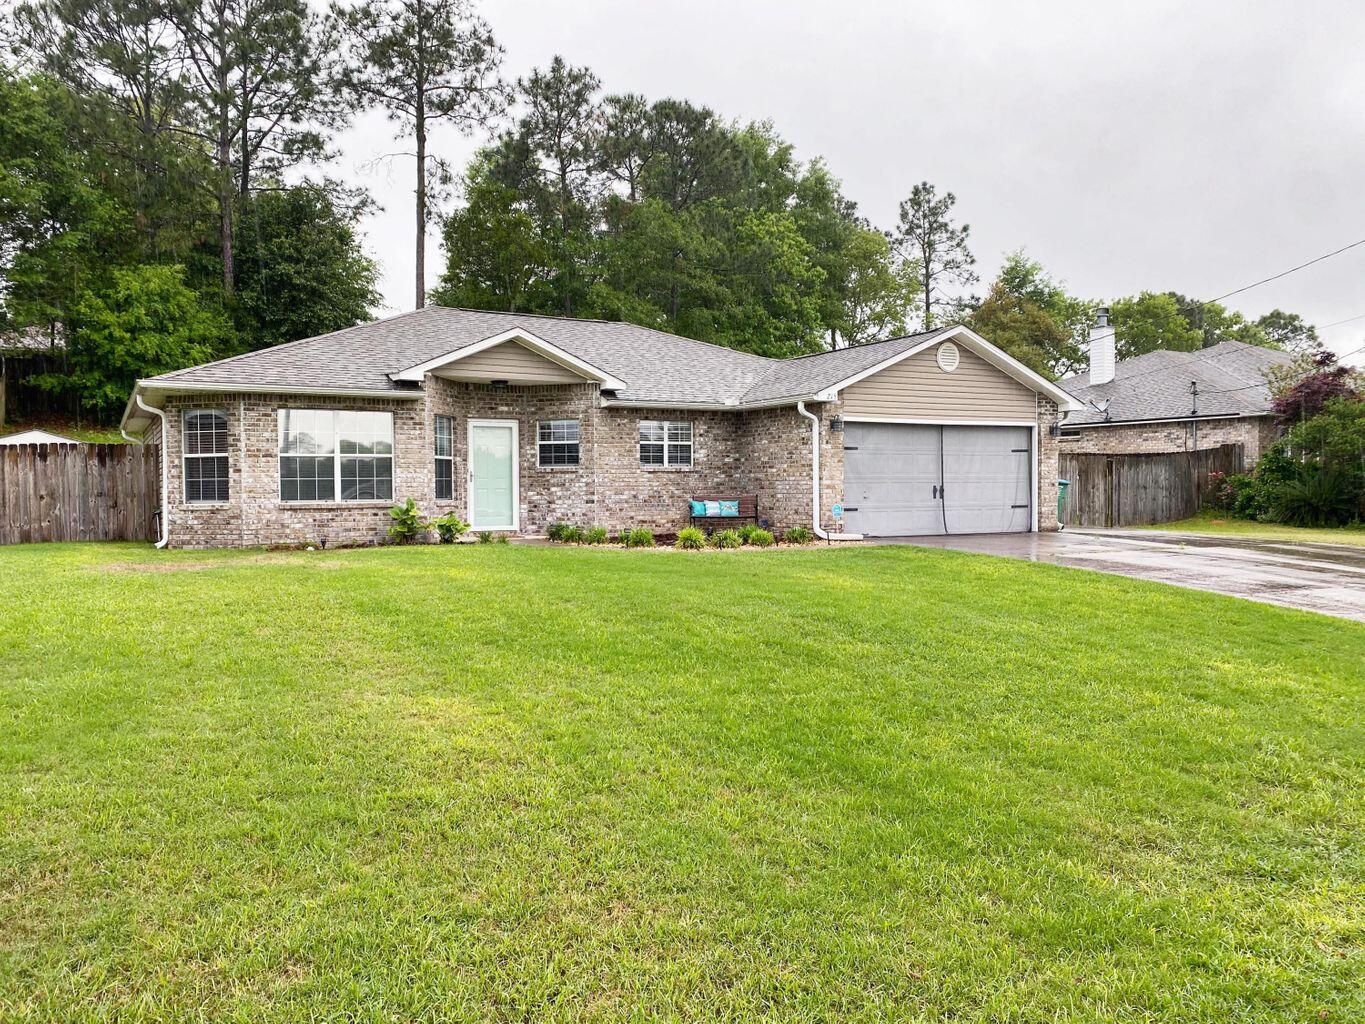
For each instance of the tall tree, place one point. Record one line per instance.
(1028, 281)
(302, 270)
(1024, 329)
(1288, 331)
(927, 235)
(423, 62)
(256, 74)
(1149, 321)
(554, 155)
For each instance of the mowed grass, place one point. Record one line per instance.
(530, 784)
(1226, 526)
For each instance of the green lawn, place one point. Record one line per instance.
(93, 434)
(509, 783)
(1222, 525)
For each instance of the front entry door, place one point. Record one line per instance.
(493, 497)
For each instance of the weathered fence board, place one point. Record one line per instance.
(1138, 490)
(77, 492)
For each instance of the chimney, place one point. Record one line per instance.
(1101, 348)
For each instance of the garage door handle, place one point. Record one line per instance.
(936, 491)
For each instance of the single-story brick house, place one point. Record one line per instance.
(1167, 401)
(516, 421)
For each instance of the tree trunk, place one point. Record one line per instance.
(421, 207)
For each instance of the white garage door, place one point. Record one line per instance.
(915, 480)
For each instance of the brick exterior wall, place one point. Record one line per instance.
(1254, 433)
(766, 452)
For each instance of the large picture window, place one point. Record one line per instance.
(557, 442)
(334, 455)
(205, 450)
(665, 443)
(445, 458)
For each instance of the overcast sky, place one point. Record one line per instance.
(1193, 146)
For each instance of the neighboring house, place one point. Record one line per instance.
(516, 421)
(1171, 401)
(37, 437)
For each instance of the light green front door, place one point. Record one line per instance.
(493, 472)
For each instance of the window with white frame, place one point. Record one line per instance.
(445, 458)
(336, 455)
(665, 443)
(558, 442)
(205, 449)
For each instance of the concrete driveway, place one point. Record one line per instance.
(1323, 578)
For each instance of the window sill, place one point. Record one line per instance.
(190, 506)
(558, 469)
(668, 469)
(334, 505)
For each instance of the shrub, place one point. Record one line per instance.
(1322, 497)
(747, 531)
(595, 535)
(407, 522)
(556, 531)
(798, 535)
(726, 539)
(572, 535)
(1220, 492)
(760, 539)
(691, 539)
(450, 527)
(486, 536)
(640, 537)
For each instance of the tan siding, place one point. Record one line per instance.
(513, 362)
(915, 388)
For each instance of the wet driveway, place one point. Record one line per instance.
(1317, 577)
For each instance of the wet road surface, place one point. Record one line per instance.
(1323, 578)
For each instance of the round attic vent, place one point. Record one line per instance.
(947, 357)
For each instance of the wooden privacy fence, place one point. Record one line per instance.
(1137, 490)
(77, 492)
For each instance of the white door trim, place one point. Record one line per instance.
(516, 473)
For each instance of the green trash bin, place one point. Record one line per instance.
(1062, 485)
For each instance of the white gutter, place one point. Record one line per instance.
(815, 479)
(165, 482)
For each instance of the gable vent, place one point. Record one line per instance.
(948, 357)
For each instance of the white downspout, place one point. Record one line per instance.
(165, 480)
(815, 479)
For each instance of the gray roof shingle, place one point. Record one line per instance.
(1156, 386)
(654, 366)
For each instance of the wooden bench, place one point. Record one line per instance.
(748, 512)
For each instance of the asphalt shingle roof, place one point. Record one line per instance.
(653, 366)
(1156, 386)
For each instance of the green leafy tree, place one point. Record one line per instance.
(1288, 331)
(58, 230)
(874, 293)
(1024, 330)
(143, 322)
(938, 247)
(423, 62)
(301, 269)
(496, 256)
(1150, 321)
(1027, 280)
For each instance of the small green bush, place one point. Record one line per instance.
(640, 537)
(595, 535)
(450, 527)
(691, 539)
(747, 531)
(572, 535)
(761, 539)
(407, 522)
(486, 536)
(556, 531)
(1322, 497)
(726, 539)
(798, 535)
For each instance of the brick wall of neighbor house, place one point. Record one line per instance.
(1254, 433)
(254, 514)
(547, 495)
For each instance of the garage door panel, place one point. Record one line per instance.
(893, 471)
